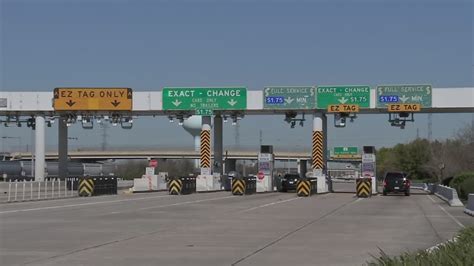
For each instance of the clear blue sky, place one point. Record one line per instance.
(147, 45)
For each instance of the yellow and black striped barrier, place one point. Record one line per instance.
(182, 185)
(317, 150)
(238, 186)
(86, 187)
(205, 149)
(306, 187)
(364, 187)
(175, 186)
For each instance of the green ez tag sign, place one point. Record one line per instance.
(331, 95)
(289, 97)
(404, 94)
(205, 98)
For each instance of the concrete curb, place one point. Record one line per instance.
(438, 246)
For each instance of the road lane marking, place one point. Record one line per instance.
(431, 199)
(183, 203)
(268, 204)
(332, 212)
(80, 204)
(447, 213)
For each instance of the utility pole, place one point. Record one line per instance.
(430, 127)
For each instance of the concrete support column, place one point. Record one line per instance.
(218, 144)
(62, 148)
(39, 147)
(318, 149)
(206, 146)
(325, 152)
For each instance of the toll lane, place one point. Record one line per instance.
(220, 229)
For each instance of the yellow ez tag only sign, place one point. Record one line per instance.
(409, 107)
(92, 99)
(343, 108)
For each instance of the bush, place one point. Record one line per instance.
(464, 184)
(459, 252)
(466, 188)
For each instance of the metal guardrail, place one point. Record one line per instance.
(18, 191)
(470, 205)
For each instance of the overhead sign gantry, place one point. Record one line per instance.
(109, 104)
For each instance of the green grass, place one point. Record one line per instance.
(459, 252)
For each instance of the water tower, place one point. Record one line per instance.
(193, 126)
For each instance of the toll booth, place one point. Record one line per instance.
(368, 166)
(266, 164)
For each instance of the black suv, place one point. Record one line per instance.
(288, 182)
(396, 182)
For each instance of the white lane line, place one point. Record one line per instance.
(183, 203)
(268, 204)
(431, 199)
(447, 213)
(80, 204)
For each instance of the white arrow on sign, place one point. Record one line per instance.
(176, 103)
(404, 98)
(343, 100)
(232, 102)
(289, 100)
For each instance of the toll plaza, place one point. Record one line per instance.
(119, 105)
(182, 225)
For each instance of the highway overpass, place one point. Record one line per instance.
(165, 154)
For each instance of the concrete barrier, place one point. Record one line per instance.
(431, 188)
(470, 205)
(422, 186)
(449, 195)
(124, 184)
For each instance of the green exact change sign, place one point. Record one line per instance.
(329, 95)
(346, 151)
(204, 98)
(404, 94)
(289, 97)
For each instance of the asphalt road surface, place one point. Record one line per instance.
(221, 229)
